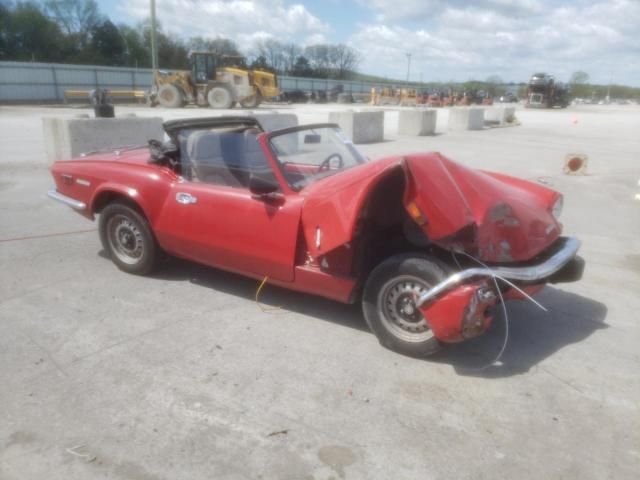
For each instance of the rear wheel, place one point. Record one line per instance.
(128, 239)
(220, 97)
(389, 303)
(170, 96)
(252, 102)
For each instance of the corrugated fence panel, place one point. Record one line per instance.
(30, 81)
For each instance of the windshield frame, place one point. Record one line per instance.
(359, 157)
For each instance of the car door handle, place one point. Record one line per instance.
(185, 198)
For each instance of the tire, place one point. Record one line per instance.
(389, 308)
(170, 96)
(220, 97)
(127, 237)
(252, 102)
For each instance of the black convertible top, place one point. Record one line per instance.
(173, 126)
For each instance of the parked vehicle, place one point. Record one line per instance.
(544, 92)
(417, 239)
(219, 81)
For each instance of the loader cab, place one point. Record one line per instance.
(203, 67)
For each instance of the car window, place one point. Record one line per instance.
(310, 154)
(222, 156)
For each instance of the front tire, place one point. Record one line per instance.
(127, 237)
(252, 101)
(170, 96)
(389, 305)
(220, 97)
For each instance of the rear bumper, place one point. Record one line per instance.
(561, 266)
(71, 202)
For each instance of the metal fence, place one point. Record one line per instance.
(47, 82)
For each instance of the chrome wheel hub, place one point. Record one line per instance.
(398, 309)
(125, 239)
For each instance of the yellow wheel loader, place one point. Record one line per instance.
(214, 80)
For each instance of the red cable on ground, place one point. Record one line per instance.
(46, 235)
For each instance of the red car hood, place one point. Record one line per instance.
(492, 216)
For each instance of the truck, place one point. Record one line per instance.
(544, 91)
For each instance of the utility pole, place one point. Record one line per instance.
(154, 46)
(408, 65)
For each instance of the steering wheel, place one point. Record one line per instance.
(326, 163)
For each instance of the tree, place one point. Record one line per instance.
(29, 35)
(76, 17)
(579, 84)
(318, 56)
(273, 52)
(301, 67)
(579, 78)
(494, 85)
(260, 62)
(343, 60)
(137, 52)
(219, 46)
(108, 44)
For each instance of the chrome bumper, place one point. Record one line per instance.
(529, 273)
(75, 204)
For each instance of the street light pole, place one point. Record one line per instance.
(154, 47)
(408, 65)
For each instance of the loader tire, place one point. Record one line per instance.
(220, 96)
(170, 96)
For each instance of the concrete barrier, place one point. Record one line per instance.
(417, 122)
(271, 121)
(500, 115)
(466, 118)
(66, 138)
(360, 126)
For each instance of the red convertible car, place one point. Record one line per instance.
(418, 239)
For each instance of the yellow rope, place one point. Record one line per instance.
(260, 306)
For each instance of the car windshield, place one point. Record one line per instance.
(313, 153)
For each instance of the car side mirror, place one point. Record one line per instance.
(261, 187)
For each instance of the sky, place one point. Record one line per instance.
(448, 39)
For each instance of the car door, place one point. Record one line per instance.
(211, 217)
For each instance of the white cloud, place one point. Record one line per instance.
(508, 38)
(241, 20)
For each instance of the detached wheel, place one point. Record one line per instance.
(252, 102)
(389, 303)
(170, 96)
(220, 97)
(128, 239)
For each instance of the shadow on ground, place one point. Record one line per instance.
(175, 269)
(534, 334)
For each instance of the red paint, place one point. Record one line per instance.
(302, 240)
(448, 315)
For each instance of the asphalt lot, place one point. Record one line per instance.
(182, 376)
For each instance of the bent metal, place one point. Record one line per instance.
(418, 240)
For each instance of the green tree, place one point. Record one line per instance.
(579, 84)
(76, 17)
(28, 34)
(136, 52)
(219, 45)
(108, 44)
(302, 67)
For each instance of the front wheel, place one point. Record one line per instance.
(252, 101)
(220, 97)
(389, 303)
(128, 239)
(169, 96)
